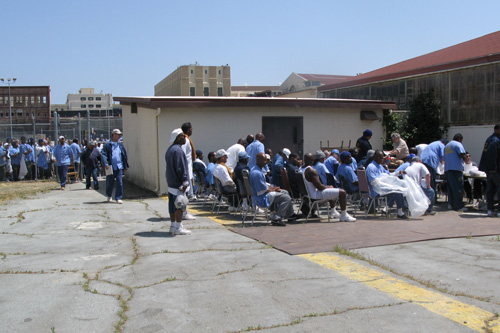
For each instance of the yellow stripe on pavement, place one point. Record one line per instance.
(435, 302)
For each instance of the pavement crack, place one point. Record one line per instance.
(209, 250)
(237, 270)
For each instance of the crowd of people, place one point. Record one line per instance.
(329, 175)
(31, 160)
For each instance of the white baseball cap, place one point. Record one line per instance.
(175, 134)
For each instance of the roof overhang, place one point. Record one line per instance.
(155, 102)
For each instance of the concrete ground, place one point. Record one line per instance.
(70, 262)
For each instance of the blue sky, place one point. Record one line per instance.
(126, 47)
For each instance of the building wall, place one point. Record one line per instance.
(86, 99)
(215, 128)
(474, 138)
(25, 102)
(468, 96)
(180, 81)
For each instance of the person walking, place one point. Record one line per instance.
(115, 161)
(64, 157)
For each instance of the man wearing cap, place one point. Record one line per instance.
(114, 158)
(278, 165)
(177, 179)
(233, 152)
(431, 156)
(402, 167)
(292, 167)
(238, 174)
(15, 159)
(332, 162)
(224, 174)
(63, 156)
(363, 144)
(90, 159)
(270, 196)
(346, 174)
(321, 168)
(317, 190)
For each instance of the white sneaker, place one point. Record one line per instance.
(188, 216)
(347, 218)
(119, 201)
(109, 199)
(334, 214)
(490, 213)
(259, 210)
(172, 230)
(181, 231)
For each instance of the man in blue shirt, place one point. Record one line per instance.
(114, 159)
(15, 159)
(63, 155)
(490, 163)
(320, 167)
(210, 169)
(454, 157)
(278, 165)
(346, 174)
(431, 157)
(27, 152)
(374, 170)
(267, 196)
(257, 146)
(4, 154)
(332, 162)
(75, 147)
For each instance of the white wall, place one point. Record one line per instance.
(474, 138)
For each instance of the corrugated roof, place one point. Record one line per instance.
(476, 51)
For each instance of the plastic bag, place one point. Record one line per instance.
(415, 196)
(181, 201)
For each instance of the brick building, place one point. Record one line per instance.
(25, 102)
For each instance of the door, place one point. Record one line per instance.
(283, 132)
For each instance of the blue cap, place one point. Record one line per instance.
(367, 132)
(410, 157)
(344, 155)
(199, 152)
(335, 151)
(242, 155)
(443, 140)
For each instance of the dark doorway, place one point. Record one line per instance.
(283, 132)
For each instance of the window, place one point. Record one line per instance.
(26, 101)
(219, 91)
(83, 106)
(38, 99)
(83, 98)
(91, 106)
(91, 98)
(192, 91)
(44, 99)
(98, 98)
(32, 100)
(191, 71)
(206, 72)
(206, 91)
(98, 106)
(219, 71)
(133, 108)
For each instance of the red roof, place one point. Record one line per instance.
(325, 78)
(476, 51)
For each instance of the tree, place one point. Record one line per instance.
(423, 122)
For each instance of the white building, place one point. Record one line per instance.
(87, 99)
(298, 124)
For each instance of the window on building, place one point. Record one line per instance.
(26, 101)
(44, 99)
(1, 99)
(91, 98)
(98, 106)
(83, 98)
(219, 91)
(98, 98)
(133, 108)
(206, 72)
(191, 71)
(206, 91)
(192, 91)
(32, 100)
(83, 106)
(38, 99)
(91, 106)
(219, 72)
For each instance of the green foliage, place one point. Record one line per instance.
(423, 123)
(392, 122)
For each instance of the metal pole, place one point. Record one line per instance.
(34, 147)
(109, 129)
(80, 127)
(56, 128)
(88, 124)
(10, 110)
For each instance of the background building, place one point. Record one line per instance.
(26, 102)
(254, 91)
(196, 80)
(465, 78)
(306, 85)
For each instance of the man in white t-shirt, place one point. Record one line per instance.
(418, 172)
(233, 152)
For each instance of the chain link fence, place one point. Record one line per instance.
(76, 127)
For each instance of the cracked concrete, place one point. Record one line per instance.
(72, 262)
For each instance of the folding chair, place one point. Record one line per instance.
(351, 197)
(286, 183)
(221, 193)
(364, 192)
(305, 195)
(248, 189)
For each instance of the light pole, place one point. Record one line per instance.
(10, 106)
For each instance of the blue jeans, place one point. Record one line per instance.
(455, 186)
(110, 182)
(62, 172)
(91, 172)
(431, 194)
(395, 197)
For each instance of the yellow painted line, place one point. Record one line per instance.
(462, 313)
